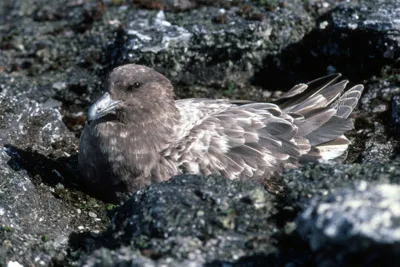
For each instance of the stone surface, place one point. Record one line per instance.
(35, 224)
(376, 138)
(356, 38)
(192, 219)
(321, 179)
(352, 222)
(396, 113)
(192, 49)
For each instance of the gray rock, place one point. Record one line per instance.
(353, 221)
(123, 256)
(191, 49)
(367, 19)
(34, 223)
(357, 38)
(375, 141)
(396, 113)
(379, 16)
(318, 180)
(190, 219)
(35, 144)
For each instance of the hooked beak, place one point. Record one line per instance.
(105, 105)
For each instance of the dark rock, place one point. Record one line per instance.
(192, 219)
(357, 223)
(46, 13)
(375, 140)
(184, 5)
(357, 39)
(169, 5)
(123, 256)
(37, 162)
(396, 113)
(34, 224)
(191, 49)
(322, 179)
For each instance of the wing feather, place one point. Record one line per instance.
(258, 140)
(237, 141)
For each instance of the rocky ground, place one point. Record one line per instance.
(54, 57)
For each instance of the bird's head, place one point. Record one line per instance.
(134, 91)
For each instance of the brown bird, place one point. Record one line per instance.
(138, 134)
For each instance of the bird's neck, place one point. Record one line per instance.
(157, 112)
(151, 130)
(133, 148)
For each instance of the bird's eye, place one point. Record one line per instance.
(134, 86)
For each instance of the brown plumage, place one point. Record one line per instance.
(138, 134)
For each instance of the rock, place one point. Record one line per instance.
(396, 113)
(354, 223)
(180, 5)
(34, 224)
(36, 155)
(191, 49)
(120, 257)
(365, 20)
(190, 219)
(358, 39)
(375, 141)
(318, 180)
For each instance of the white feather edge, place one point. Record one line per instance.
(333, 149)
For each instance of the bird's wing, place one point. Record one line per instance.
(195, 111)
(248, 141)
(258, 140)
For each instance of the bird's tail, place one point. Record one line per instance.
(321, 111)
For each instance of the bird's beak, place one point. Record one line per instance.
(101, 107)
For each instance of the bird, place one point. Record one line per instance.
(138, 134)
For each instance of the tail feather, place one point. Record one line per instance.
(330, 130)
(333, 149)
(315, 93)
(314, 120)
(348, 101)
(323, 112)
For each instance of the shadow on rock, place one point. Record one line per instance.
(44, 169)
(356, 53)
(291, 251)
